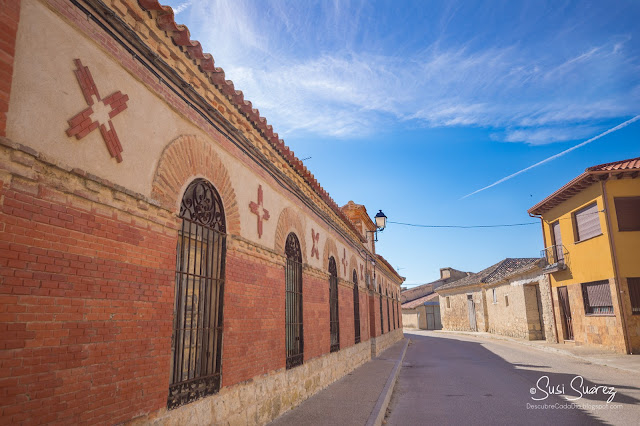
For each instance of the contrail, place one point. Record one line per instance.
(553, 157)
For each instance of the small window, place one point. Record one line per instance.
(495, 296)
(448, 302)
(506, 300)
(628, 213)
(634, 294)
(587, 223)
(597, 298)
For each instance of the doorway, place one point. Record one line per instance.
(565, 313)
(472, 313)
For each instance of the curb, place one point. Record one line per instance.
(540, 348)
(378, 412)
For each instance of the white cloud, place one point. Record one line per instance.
(303, 75)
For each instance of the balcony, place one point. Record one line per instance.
(556, 258)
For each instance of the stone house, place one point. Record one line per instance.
(164, 257)
(518, 301)
(591, 234)
(509, 298)
(420, 304)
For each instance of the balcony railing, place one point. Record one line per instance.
(556, 258)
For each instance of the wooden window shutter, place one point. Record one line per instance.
(587, 222)
(628, 213)
(597, 297)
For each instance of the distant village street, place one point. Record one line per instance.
(452, 378)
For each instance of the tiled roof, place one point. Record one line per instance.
(180, 35)
(497, 272)
(511, 266)
(630, 164)
(590, 176)
(420, 301)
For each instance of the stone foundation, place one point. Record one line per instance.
(263, 398)
(381, 343)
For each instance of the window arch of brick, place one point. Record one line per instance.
(290, 221)
(293, 302)
(334, 325)
(188, 157)
(196, 351)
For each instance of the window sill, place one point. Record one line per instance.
(600, 315)
(590, 238)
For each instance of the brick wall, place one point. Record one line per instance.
(87, 302)
(9, 17)
(315, 296)
(254, 318)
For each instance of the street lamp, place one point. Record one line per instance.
(381, 223)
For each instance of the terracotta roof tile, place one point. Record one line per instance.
(417, 302)
(630, 164)
(581, 182)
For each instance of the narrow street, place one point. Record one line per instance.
(458, 379)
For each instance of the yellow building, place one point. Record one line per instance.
(591, 231)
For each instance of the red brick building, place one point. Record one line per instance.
(163, 255)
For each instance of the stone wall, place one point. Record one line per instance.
(410, 318)
(381, 343)
(604, 331)
(263, 398)
(456, 316)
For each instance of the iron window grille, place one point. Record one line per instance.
(381, 319)
(356, 307)
(293, 289)
(388, 316)
(196, 341)
(333, 305)
(597, 298)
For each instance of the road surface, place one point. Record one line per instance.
(461, 379)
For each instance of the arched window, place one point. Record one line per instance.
(388, 316)
(293, 304)
(381, 320)
(356, 306)
(333, 305)
(393, 312)
(196, 350)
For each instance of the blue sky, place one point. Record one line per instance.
(409, 106)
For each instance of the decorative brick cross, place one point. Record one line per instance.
(344, 261)
(258, 210)
(315, 237)
(98, 114)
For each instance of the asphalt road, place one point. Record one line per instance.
(456, 379)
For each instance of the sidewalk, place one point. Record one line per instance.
(359, 398)
(585, 353)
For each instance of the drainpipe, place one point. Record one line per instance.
(616, 269)
(553, 307)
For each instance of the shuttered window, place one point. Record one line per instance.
(597, 298)
(628, 213)
(356, 307)
(634, 294)
(587, 222)
(558, 249)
